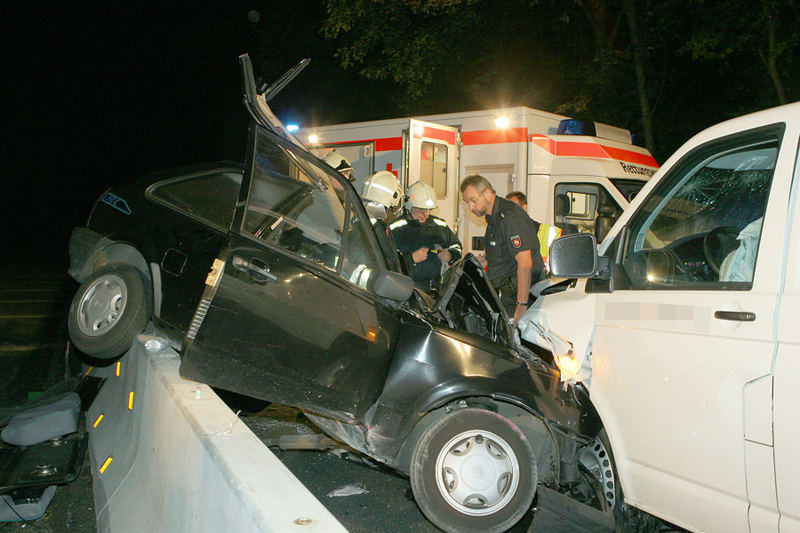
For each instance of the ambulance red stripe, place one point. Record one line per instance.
(447, 136)
(506, 135)
(590, 149)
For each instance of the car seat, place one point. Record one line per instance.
(562, 210)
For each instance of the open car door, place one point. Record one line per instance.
(286, 315)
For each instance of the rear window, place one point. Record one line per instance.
(210, 197)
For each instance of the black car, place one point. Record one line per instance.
(273, 276)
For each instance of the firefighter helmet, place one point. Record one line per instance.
(420, 195)
(383, 188)
(340, 163)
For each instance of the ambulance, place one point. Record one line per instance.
(578, 175)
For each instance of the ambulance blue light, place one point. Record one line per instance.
(292, 127)
(572, 126)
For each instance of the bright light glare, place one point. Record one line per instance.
(501, 122)
(651, 277)
(292, 127)
(313, 138)
(419, 129)
(569, 367)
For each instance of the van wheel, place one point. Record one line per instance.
(597, 461)
(108, 311)
(473, 471)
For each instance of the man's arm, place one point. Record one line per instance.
(524, 264)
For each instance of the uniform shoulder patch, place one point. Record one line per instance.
(439, 221)
(398, 224)
(516, 242)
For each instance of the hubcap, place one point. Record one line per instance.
(102, 305)
(596, 459)
(477, 473)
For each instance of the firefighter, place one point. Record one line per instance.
(382, 197)
(340, 163)
(428, 244)
(512, 246)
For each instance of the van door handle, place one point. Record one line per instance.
(738, 316)
(258, 269)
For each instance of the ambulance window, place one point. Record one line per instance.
(701, 227)
(584, 208)
(433, 166)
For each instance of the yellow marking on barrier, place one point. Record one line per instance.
(105, 464)
(119, 364)
(130, 401)
(97, 422)
(89, 370)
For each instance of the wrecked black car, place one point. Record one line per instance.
(272, 275)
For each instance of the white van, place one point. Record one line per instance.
(685, 329)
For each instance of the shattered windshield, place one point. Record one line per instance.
(731, 189)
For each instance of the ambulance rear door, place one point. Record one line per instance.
(432, 152)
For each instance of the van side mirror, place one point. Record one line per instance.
(393, 285)
(574, 256)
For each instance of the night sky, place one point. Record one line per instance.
(95, 95)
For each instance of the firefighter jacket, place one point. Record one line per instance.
(410, 235)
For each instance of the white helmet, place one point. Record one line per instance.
(340, 163)
(383, 188)
(420, 195)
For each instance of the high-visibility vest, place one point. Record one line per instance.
(547, 234)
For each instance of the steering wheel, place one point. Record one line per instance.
(717, 244)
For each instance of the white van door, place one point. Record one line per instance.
(432, 152)
(683, 349)
(787, 373)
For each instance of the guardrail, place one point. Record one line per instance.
(168, 455)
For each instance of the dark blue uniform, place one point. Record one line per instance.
(410, 235)
(510, 230)
(387, 244)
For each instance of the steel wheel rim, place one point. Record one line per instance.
(596, 459)
(102, 305)
(477, 473)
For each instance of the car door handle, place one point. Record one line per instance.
(738, 316)
(258, 269)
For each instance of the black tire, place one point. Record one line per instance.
(108, 312)
(487, 443)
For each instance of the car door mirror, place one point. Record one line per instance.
(393, 286)
(574, 256)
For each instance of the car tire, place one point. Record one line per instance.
(473, 471)
(108, 311)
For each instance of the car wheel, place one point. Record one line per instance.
(108, 311)
(473, 470)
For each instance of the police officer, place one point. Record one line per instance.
(382, 197)
(426, 241)
(512, 247)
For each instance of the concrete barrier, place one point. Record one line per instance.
(168, 455)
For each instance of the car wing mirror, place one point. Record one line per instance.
(574, 256)
(394, 286)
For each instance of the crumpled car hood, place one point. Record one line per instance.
(563, 323)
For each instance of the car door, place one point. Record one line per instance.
(287, 315)
(682, 355)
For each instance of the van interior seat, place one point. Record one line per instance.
(562, 208)
(606, 216)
